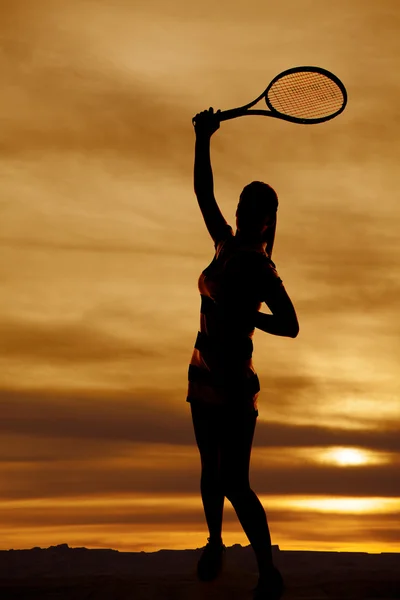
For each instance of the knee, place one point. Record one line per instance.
(210, 475)
(236, 489)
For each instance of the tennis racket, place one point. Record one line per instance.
(304, 95)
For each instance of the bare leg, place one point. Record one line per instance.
(207, 437)
(237, 439)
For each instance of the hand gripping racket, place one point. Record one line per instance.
(304, 95)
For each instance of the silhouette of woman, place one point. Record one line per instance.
(223, 385)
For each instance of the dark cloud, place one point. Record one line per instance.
(137, 418)
(345, 481)
(102, 248)
(152, 418)
(57, 342)
(276, 434)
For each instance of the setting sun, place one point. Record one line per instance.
(348, 457)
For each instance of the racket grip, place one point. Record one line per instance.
(225, 115)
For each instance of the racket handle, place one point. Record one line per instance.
(231, 114)
(243, 112)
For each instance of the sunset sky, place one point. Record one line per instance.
(102, 243)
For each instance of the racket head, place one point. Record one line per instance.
(306, 95)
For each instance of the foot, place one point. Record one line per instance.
(270, 586)
(211, 561)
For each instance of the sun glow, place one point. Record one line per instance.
(157, 503)
(337, 456)
(345, 505)
(350, 457)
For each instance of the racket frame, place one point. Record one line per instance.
(243, 111)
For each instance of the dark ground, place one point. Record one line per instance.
(62, 573)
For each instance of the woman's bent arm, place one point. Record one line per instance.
(283, 320)
(277, 326)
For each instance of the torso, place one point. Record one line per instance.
(221, 371)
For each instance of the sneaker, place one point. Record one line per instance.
(270, 587)
(211, 561)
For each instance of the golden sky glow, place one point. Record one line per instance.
(102, 242)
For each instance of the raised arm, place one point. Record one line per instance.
(205, 124)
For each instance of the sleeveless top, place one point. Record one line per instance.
(232, 288)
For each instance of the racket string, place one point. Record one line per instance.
(314, 106)
(305, 95)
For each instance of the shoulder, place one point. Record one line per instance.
(224, 235)
(269, 270)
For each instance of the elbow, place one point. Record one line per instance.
(294, 331)
(200, 191)
(288, 328)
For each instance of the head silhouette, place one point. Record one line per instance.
(256, 210)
